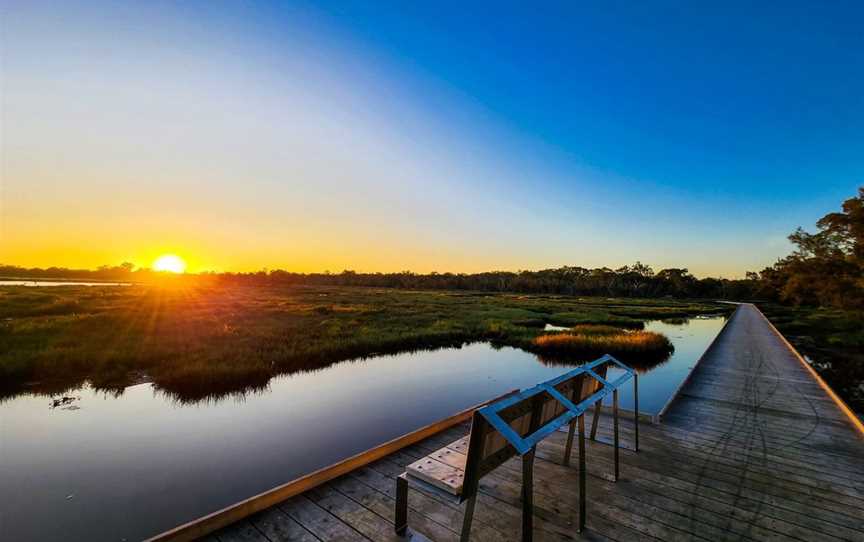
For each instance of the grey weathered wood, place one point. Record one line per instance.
(318, 521)
(242, 532)
(278, 527)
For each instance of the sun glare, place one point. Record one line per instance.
(170, 263)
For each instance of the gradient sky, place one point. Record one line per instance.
(426, 136)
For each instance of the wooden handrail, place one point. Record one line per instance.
(231, 514)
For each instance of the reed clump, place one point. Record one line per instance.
(598, 339)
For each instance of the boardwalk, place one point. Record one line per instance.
(752, 448)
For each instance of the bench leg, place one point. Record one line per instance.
(569, 448)
(636, 411)
(597, 406)
(401, 522)
(528, 496)
(615, 423)
(581, 473)
(466, 521)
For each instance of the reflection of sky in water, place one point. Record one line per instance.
(132, 466)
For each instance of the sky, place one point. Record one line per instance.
(388, 136)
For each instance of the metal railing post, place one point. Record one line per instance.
(581, 472)
(615, 416)
(636, 411)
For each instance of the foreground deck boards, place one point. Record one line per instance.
(752, 449)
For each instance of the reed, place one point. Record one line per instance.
(602, 340)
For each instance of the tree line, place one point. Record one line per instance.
(826, 268)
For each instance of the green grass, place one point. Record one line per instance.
(199, 342)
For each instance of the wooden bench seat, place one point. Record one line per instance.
(444, 468)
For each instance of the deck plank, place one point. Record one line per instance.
(277, 526)
(318, 521)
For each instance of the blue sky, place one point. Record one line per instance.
(428, 136)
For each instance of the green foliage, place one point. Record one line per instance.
(827, 267)
(205, 341)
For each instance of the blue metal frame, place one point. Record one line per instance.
(525, 444)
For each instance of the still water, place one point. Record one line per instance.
(99, 467)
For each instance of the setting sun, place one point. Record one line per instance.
(170, 263)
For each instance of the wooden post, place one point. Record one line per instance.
(401, 522)
(581, 472)
(528, 496)
(636, 411)
(615, 423)
(569, 447)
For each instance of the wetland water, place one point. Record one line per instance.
(100, 467)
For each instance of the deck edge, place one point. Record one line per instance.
(841, 404)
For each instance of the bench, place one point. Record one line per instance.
(514, 426)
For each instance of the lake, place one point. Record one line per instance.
(103, 467)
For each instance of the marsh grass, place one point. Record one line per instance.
(204, 342)
(602, 339)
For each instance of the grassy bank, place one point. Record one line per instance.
(198, 342)
(832, 339)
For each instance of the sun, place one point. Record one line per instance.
(170, 263)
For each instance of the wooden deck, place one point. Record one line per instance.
(752, 448)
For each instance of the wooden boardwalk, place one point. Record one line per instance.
(752, 448)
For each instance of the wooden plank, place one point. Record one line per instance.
(362, 520)
(697, 494)
(277, 526)
(432, 505)
(242, 532)
(774, 507)
(440, 475)
(318, 521)
(384, 506)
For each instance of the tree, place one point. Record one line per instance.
(827, 267)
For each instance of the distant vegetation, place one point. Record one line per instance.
(826, 269)
(815, 296)
(200, 342)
